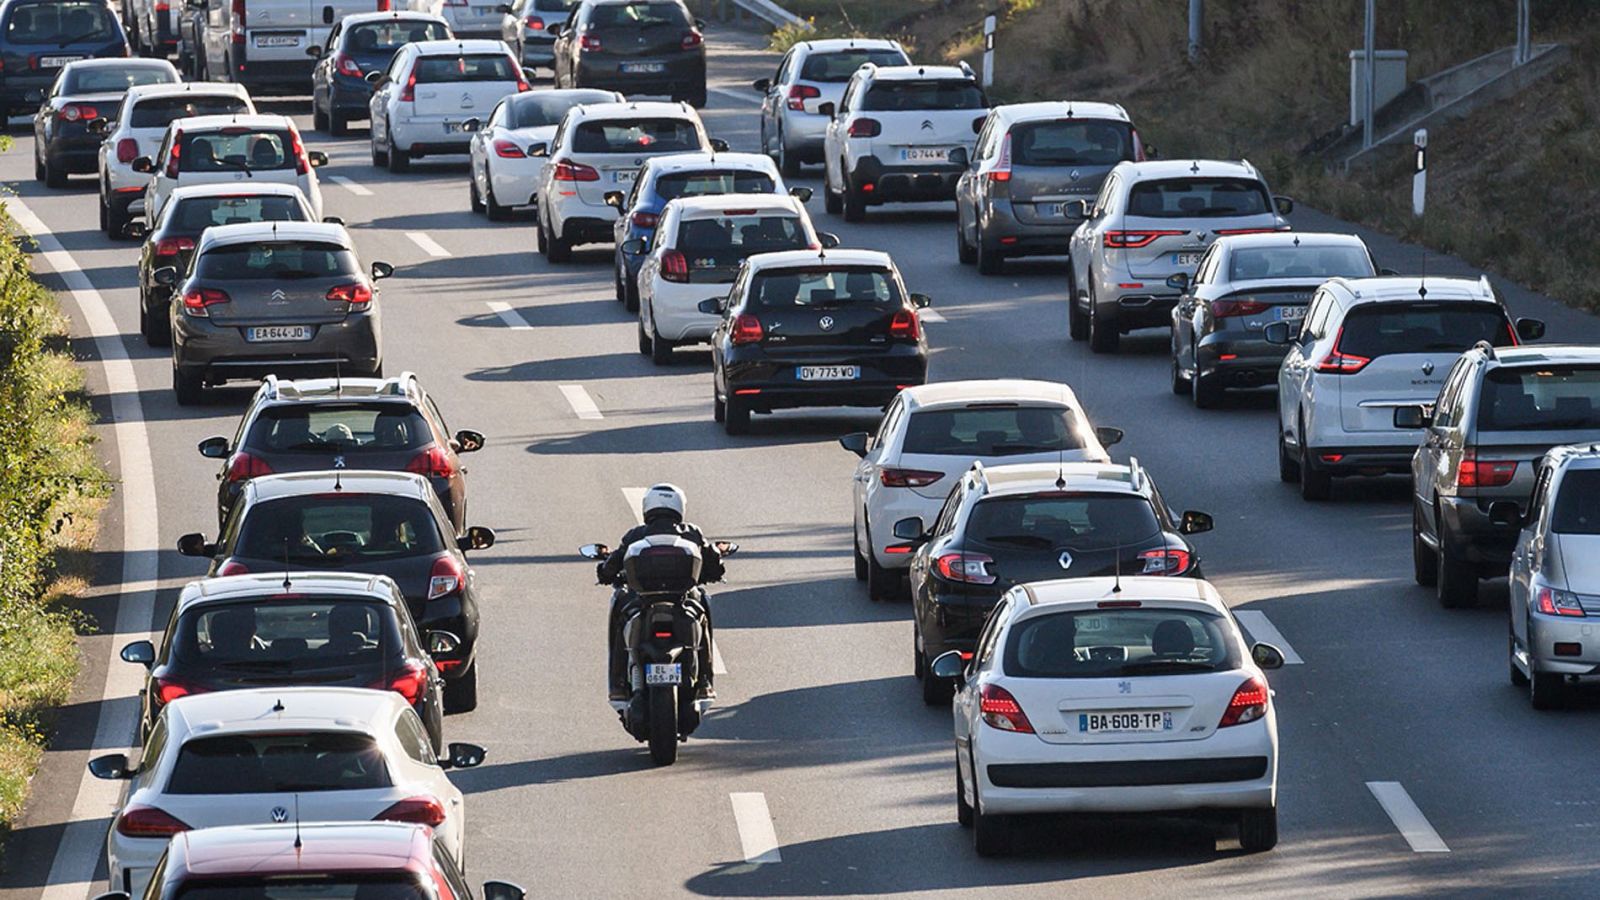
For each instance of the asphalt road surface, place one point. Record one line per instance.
(821, 773)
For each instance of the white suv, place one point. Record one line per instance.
(901, 133)
(810, 74)
(422, 103)
(932, 433)
(221, 149)
(1151, 221)
(1367, 348)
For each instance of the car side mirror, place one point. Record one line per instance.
(958, 156)
(477, 538)
(194, 544)
(803, 194)
(314, 51)
(719, 145)
(827, 239)
(503, 890)
(442, 642)
(1530, 329)
(1107, 436)
(615, 199)
(317, 158)
(1178, 281)
(1505, 513)
(1266, 656)
(909, 529)
(712, 306)
(113, 895)
(166, 276)
(214, 448)
(556, 29)
(634, 246)
(333, 220)
(136, 230)
(143, 164)
(827, 109)
(99, 125)
(1411, 417)
(1075, 209)
(594, 551)
(921, 301)
(539, 151)
(469, 441)
(381, 270)
(1277, 333)
(948, 665)
(1150, 152)
(762, 84)
(376, 77)
(504, 9)
(111, 767)
(141, 652)
(1284, 205)
(856, 442)
(327, 15)
(1194, 521)
(463, 756)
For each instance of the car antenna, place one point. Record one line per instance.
(287, 584)
(1116, 583)
(278, 705)
(297, 843)
(1061, 458)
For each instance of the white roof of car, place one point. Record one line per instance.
(1187, 168)
(218, 235)
(1397, 288)
(1026, 478)
(823, 259)
(1061, 109)
(458, 46)
(834, 45)
(1158, 589)
(270, 584)
(679, 162)
(255, 710)
(1537, 354)
(918, 73)
(988, 390)
(712, 205)
(236, 189)
(207, 88)
(633, 109)
(351, 482)
(1307, 239)
(118, 62)
(231, 120)
(399, 15)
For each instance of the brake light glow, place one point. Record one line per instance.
(149, 821)
(746, 330)
(77, 112)
(907, 477)
(1132, 240)
(1227, 309)
(691, 40)
(865, 128)
(534, 23)
(645, 219)
(508, 150)
(1559, 603)
(409, 93)
(590, 43)
(172, 159)
(432, 461)
(347, 66)
(357, 294)
(416, 810)
(969, 568)
(445, 578)
(297, 148)
(170, 689)
(567, 170)
(1341, 363)
(1475, 472)
(675, 267)
(173, 246)
(799, 94)
(409, 682)
(197, 301)
(243, 466)
(1249, 703)
(1165, 561)
(1001, 710)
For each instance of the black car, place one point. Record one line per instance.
(814, 328)
(375, 523)
(389, 425)
(38, 37)
(1007, 525)
(356, 47)
(322, 629)
(79, 110)
(633, 46)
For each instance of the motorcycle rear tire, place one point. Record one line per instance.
(664, 724)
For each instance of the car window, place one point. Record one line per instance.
(1071, 142)
(931, 94)
(333, 39)
(730, 237)
(639, 15)
(1377, 329)
(890, 422)
(1577, 503)
(414, 739)
(1299, 262)
(1115, 643)
(234, 640)
(987, 639)
(998, 430)
(192, 215)
(60, 22)
(158, 112)
(836, 67)
(820, 288)
(341, 886)
(282, 260)
(387, 37)
(727, 181)
(348, 429)
(1046, 521)
(1540, 397)
(1447, 409)
(462, 69)
(106, 80)
(784, 66)
(1108, 194)
(850, 92)
(636, 136)
(537, 109)
(1316, 322)
(339, 529)
(236, 150)
(1198, 198)
(945, 522)
(1207, 268)
(1541, 494)
(276, 762)
(154, 745)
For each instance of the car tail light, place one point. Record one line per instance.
(149, 821)
(1559, 603)
(969, 568)
(1165, 561)
(746, 330)
(127, 150)
(866, 128)
(1249, 703)
(508, 150)
(905, 326)
(77, 112)
(1476, 473)
(1227, 309)
(233, 567)
(347, 65)
(172, 158)
(416, 810)
(1138, 146)
(382, 6)
(1228, 231)
(446, 577)
(170, 689)
(173, 246)
(1001, 173)
(675, 267)
(244, 466)
(534, 23)
(237, 28)
(691, 40)
(799, 94)
(907, 477)
(567, 170)
(357, 294)
(645, 219)
(589, 43)
(409, 682)
(196, 301)
(522, 79)
(1001, 710)
(432, 461)
(163, 7)
(297, 148)
(409, 93)
(1338, 362)
(1132, 240)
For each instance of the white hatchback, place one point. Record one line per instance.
(503, 174)
(227, 149)
(423, 102)
(270, 754)
(1100, 695)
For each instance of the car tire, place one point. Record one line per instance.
(1180, 385)
(964, 252)
(990, 260)
(919, 669)
(855, 204)
(1205, 392)
(881, 584)
(660, 348)
(991, 834)
(645, 347)
(38, 165)
(860, 558)
(1288, 466)
(696, 96)
(1456, 585)
(788, 163)
(399, 160)
(1424, 561)
(1103, 335)
(380, 159)
(719, 409)
(736, 416)
(556, 250)
(1546, 690)
(188, 390)
(1315, 483)
(1518, 677)
(497, 212)
(474, 199)
(157, 331)
(54, 177)
(319, 122)
(144, 320)
(620, 289)
(1258, 829)
(830, 200)
(1077, 320)
(935, 691)
(963, 808)
(461, 692)
(338, 125)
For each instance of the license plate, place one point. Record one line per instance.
(1047, 210)
(56, 62)
(1124, 722)
(1291, 313)
(829, 373)
(663, 673)
(452, 127)
(924, 154)
(485, 11)
(623, 176)
(1187, 259)
(271, 333)
(277, 40)
(649, 68)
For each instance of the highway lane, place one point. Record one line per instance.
(818, 712)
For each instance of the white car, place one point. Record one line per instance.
(598, 149)
(699, 245)
(1367, 348)
(141, 123)
(422, 103)
(503, 175)
(478, 19)
(931, 434)
(224, 149)
(1108, 695)
(269, 754)
(900, 134)
(810, 74)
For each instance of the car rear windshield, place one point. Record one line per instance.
(158, 112)
(277, 259)
(108, 80)
(236, 150)
(1538, 398)
(338, 529)
(1577, 509)
(997, 430)
(934, 94)
(342, 886)
(699, 184)
(836, 67)
(735, 235)
(536, 109)
(1173, 198)
(610, 15)
(343, 428)
(1299, 262)
(387, 37)
(554, 5)
(1071, 142)
(282, 636)
(824, 287)
(60, 22)
(192, 215)
(455, 69)
(278, 763)
(1378, 329)
(636, 136)
(1043, 521)
(1114, 643)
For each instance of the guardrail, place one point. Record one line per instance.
(745, 10)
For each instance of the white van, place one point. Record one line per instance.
(262, 44)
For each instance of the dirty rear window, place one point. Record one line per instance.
(1198, 197)
(158, 112)
(60, 23)
(1071, 142)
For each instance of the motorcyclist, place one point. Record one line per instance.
(662, 511)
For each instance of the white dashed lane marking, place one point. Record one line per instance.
(930, 315)
(756, 835)
(428, 244)
(1261, 629)
(350, 186)
(511, 317)
(1407, 817)
(634, 496)
(579, 400)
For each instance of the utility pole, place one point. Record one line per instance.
(1370, 65)
(1197, 17)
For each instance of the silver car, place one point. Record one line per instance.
(525, 26)
(810, 74)
(285, 298)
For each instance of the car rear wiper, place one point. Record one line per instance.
(1028, 540)
(237, 164)
(75, 38)
(1175, 665)
(1004, 449)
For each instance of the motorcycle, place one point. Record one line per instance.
(664, 634)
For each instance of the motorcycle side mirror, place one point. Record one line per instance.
(1107, 436)
(214, 448)
(442, 642)
(948, 665)
(476, 538)
(1267, 656)
(463, 756)
(503, 890)
(725, 548)
(141, 652)
(594, 551)
(469, 441)
(856, 442)
(194, 544)
(1194, 522)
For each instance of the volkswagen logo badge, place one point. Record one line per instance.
(280, 814)
(825, 323)
(1065, 559)
(1427, 367)
(1073, 175)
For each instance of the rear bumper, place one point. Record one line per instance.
(586, 230)
(220, 353)
(1473, 538)
(1134, 308)
(424, 135)
(803, 133)
(953, 623)
(1238, 360)
(886, 506)
(1380, 460)
(674, 309)
(1011, 236)
(767, 384)
(78, 154)
(350, 96)
(908, 184)
(288, 76)
(678, 76)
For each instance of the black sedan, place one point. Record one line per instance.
(78, 110)
(39, 37)
(814, 328)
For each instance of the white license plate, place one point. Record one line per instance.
(623, 176)
(270, 333)
(1139, 722)
(1291, 313)
(56, 62)
(645, 68)
(1187, 259)
(278, 40)
(924, 154)
(1047, 210)
(663, 673)
(828, 373)
(452, 127)
(484, 12)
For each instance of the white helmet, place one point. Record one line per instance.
(663, 497)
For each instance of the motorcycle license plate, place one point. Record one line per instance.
(663, 673)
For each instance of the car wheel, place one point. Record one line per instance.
(399, 160)
(855, 203)
(474, 199)
(461, 693)
(1077, 321)
(38, 165)
(881, 583)
(860, 558)
(990, 260)
(54, 177)
(117, 218)
(1546, 690)
(719, 410)
(1205, 391)
(338, 125)
(736, 416)
(644, 341)
(660, 348)
(1315, 483)
(556, 249)
(964, 252)
(1288, 466)
(919, 671)
(963, 808)
(1518, 677)
(1424, 562)
(497, 213)
(788, 163)
(380, 159)
(621, 290)
(935, 691)
(144, 320)
(1103, 334)
(1456, 584)
(1258, 829)
(830, 200)
(189, 390)
(1180, 384)
(105, 211)
(319, 122)
(991, 834)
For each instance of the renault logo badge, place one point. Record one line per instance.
(1427, 367)
(825, 323)
(1065, 559)
(1073, 175)
(280, 814)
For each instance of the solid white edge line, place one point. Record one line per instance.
(1403, 811)
(428, 244)
(931, 315)
(82, 840)
(756, 835)
(1261, 629)
(634, 497)
(351, 186)
(578, 398)
(511, 317)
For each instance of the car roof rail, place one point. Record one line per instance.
(980, 475)
(1486, 347)
(1135, 473)
(965, 67)
(269, 387)
(399, 384)
(1488, 289)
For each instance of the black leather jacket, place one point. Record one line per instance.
(609, 571)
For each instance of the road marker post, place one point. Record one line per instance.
(988, 51)
(1419, 180)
